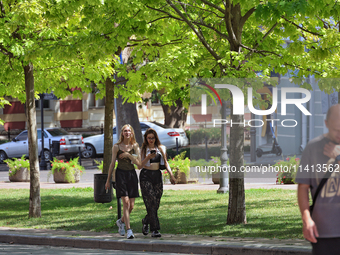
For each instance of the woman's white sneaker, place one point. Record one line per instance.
(121, 227)
(129, 234)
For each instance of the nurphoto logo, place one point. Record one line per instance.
(238, 105)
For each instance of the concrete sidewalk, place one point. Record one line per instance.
(167, 243)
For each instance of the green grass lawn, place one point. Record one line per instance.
(271, 213)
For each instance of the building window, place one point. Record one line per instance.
(46, 104)
(94, 103)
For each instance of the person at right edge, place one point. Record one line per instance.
(153, 155)
(322, 154)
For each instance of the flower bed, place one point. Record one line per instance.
(66, 171)
(180, 167)
(288, 169)
(19, 169)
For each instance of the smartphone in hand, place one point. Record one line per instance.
(153, 151)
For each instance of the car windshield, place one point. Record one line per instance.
(160, 125)
(57, 132)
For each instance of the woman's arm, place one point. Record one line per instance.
(146, 159)
(112, 167)
(172, 178)
(136, 160)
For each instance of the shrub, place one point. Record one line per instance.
(214, 134)
(197, 136)
(180, 164)
(15, 164)
(288, 169)
(195, 153)
(69, 167)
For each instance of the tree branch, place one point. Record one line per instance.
(213, 6)
(246, 16)
(165, 17)
(155, 44)
(169, 14)
(49, 68)
(199, 35)
(252, 50)
(4, 51)
(266, 35)
(303, 29)
(141, 40)
(228, 23)
(299, 67)
(10, 63)
(205, 10)
(194, 22)
(2, 9)
(325, 24)
(212, 28)
(270, 52)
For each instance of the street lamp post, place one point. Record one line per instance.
(119, 201)
(224, 185)
(42, 165)
(253, 141)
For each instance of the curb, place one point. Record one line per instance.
(154, 245)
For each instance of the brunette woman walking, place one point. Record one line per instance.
(153, 155)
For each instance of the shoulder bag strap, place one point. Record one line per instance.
(319, 188)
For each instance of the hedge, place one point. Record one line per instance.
(199, 152)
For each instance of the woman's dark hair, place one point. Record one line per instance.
(157, 143)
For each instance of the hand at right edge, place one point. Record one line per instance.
(310, 231)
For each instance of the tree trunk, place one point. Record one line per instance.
(175, 116)
(127, 114)
(237, 205)
(109, 107)
(108, 127)
(35, 202)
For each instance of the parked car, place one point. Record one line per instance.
(167, 136)
(69, 144)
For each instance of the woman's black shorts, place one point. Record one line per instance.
(126, 183)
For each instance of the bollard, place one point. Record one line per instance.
(206, 149)
(79, 159)
(176, 145)
(51, 154)
(119, 208)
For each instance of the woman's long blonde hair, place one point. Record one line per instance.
(121, 137)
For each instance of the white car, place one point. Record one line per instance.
(69, 144)
(167, 136)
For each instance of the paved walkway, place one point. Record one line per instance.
(167, 243)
